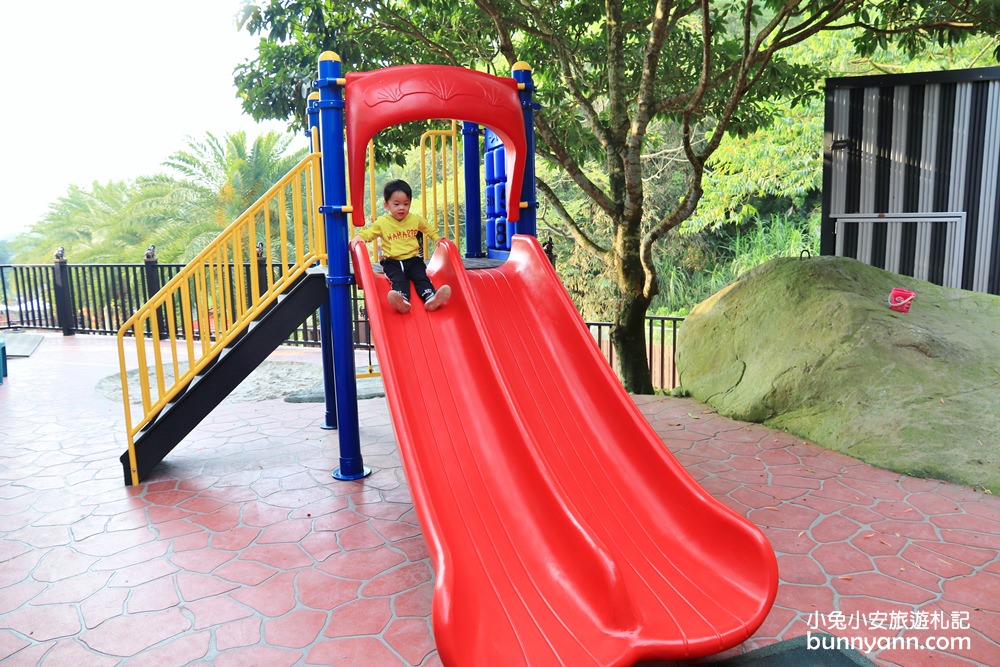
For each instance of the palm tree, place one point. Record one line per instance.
(117, 221)
(221, 179)
(87, 223)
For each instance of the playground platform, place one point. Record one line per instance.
(243, 550)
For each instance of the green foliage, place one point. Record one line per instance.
(607, 72)
(700, 264)
(222, 178)
(916, 26)
(91, 224)
(782, 162)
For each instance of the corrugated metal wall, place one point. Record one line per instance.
(912, 175)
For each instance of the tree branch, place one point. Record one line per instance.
(564, 216)
(401, 23)
(643, 112)
(558, 154)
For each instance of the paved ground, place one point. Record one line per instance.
(242, 550)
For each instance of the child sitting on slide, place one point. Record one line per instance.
(401, 263)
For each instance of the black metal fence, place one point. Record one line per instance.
(661, 347)
(99, 298)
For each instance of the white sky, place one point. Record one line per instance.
(102, 90)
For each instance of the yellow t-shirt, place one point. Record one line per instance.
(399, 237)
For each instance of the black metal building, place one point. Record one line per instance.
(911, 176)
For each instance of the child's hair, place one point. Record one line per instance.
(398, 185)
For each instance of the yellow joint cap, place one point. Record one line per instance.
(523, 204)
(313, 95)
(329, 55)
(520, 64)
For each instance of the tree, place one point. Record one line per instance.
(607, 73)
(221, 179)
(217, 179)
(88, 224)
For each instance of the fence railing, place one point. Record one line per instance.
(103, 296)
(99, 298)
(661, 347)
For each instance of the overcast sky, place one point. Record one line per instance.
(101, 90)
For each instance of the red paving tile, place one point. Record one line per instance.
(362, 616)
(296, 629)
(244, 632)
(243, 550)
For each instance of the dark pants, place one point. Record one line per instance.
(401, 271)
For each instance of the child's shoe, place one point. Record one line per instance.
(399, 302)
(439, 299)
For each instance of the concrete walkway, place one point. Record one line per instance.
(244, 551)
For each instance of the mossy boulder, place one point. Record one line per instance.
(811, 346)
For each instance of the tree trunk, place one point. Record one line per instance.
(628, 333)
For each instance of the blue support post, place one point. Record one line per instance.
(473, 210)
(527, 223)
(325, 327)
(339, 278)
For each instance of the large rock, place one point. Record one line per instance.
(810, 346)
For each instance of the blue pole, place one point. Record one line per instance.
(339, 278)
(325, 328)
(473, 209)
(521, 71)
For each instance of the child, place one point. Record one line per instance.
(398, 230)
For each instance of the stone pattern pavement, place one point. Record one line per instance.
(242, 550)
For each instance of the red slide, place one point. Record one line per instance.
(561, 530)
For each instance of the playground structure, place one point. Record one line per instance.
(512, 441)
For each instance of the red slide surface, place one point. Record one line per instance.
(561, 530)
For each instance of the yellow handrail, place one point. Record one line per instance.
(429, 195)
(216, 296)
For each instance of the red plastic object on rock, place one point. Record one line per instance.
(900, 299)
(561, 530)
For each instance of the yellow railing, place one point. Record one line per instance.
(184, 326)
(435, 150)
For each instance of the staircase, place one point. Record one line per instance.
(196, 339)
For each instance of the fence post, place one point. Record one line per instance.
(4, 306)
(550, 251)
(262, 268)
(151, 274)
(65, 315)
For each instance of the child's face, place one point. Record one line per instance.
(398, 205)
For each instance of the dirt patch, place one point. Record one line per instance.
(270, 380)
